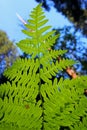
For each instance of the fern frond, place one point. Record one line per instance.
(52, 54)
(22, 116)
(65, 104)
(39, 38)
(23, 68)
(21, 91)
(31, 100)
(17, 104)
(53, 68)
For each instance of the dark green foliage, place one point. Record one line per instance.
(32, 100)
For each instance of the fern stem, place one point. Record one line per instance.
(41, 98)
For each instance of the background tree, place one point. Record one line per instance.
(8, 52)
(70, 39)
(74, 10)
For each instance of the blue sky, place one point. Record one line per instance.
(10, 23)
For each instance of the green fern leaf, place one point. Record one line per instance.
(32, 100)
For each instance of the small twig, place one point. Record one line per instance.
(21, 19)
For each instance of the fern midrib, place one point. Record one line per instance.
(38, 47)
(41, 98)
